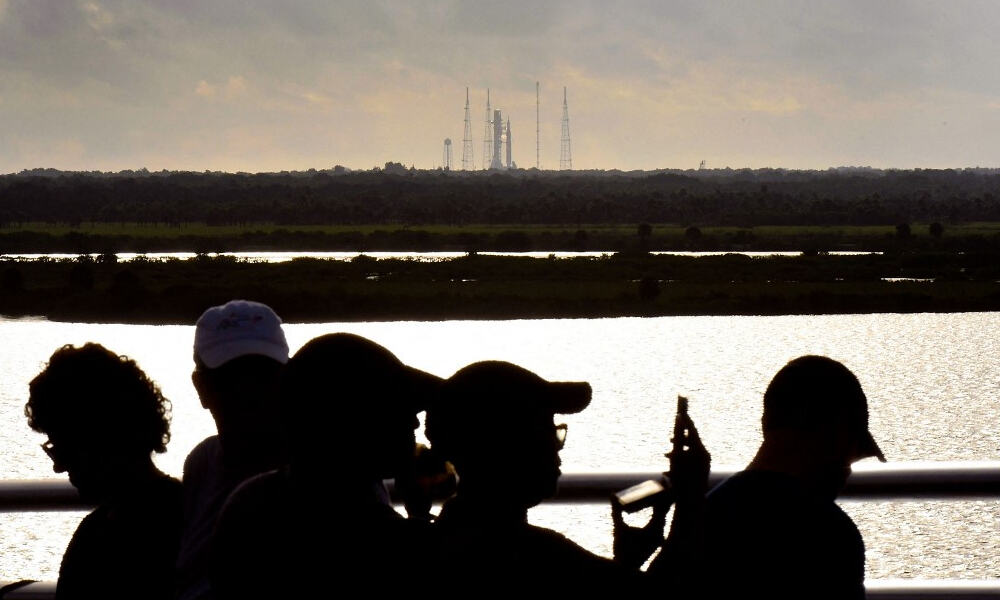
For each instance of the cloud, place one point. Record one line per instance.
(236, 86)
(360, 83)
(98, 18)
(233, 88)
(205, 89)
(315, 98)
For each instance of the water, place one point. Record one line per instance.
(932, 382)
(278, 257)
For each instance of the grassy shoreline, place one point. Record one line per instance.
(489, 287)
(199, 237)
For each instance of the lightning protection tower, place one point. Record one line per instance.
(538, 146)
(565, 154)
(446, 158)
(488, 135)
(467, 139)
(507, 140)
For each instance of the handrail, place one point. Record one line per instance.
(880, 589)
(900, 481)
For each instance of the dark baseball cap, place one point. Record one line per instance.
(500, 395)
(355, 368)
(816, 392)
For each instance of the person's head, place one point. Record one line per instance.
(350, 406)
(239, 349)
(103, 417)
(819, 402)
(495, 422)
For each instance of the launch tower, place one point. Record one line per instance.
(467, 138)
(565, 154)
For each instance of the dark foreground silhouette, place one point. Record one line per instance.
(103, 418)
(343, 421)
(773, 530)
(494, 421)
(322, 524)
(239, 351)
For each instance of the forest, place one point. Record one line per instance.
(742, 198)
(924, 241)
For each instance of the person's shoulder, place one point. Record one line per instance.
(169, 488)
(262, 491)
(752, 505)
(203, 463)
(755, 486)
(206, 452)
(569, 566)
(159, 495)
(268, 481)
(258, 509)
(557, 545)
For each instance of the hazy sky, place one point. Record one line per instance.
(259, 85)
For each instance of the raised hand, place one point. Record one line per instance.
(690, 463)
(634, 545)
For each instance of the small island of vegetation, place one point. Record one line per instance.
(928, 241)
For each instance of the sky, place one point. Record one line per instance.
(254, 85)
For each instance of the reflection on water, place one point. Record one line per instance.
(932, 382)
(278, 257)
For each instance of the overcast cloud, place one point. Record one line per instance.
(265, 85)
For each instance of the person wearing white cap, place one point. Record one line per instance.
(239, 351)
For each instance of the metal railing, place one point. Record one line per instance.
(900, 481)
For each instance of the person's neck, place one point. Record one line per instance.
(343, 488)
(132, 477)
(491, 502)
(800, 457)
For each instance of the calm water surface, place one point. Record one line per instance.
(277, 257)
(932, 382)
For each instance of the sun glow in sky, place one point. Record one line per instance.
(253, 85)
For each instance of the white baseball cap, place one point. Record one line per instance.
(238, 328)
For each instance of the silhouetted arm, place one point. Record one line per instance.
(680, 562)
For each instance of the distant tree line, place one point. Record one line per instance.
(743, 198)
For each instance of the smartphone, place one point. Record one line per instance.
(649, 492)
(679, 420)
(642, 495)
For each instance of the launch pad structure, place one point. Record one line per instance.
(498, 140)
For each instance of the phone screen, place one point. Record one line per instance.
(634, 498)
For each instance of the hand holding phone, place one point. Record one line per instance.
(681, 421)
(690, 462)
(634, 545)
(642, 495)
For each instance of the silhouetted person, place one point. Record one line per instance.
(495, 422)
(774, 530)
(104, 418)
(322, 524)
(239, 351)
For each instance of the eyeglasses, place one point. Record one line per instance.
(50, 450)
(561, 435)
